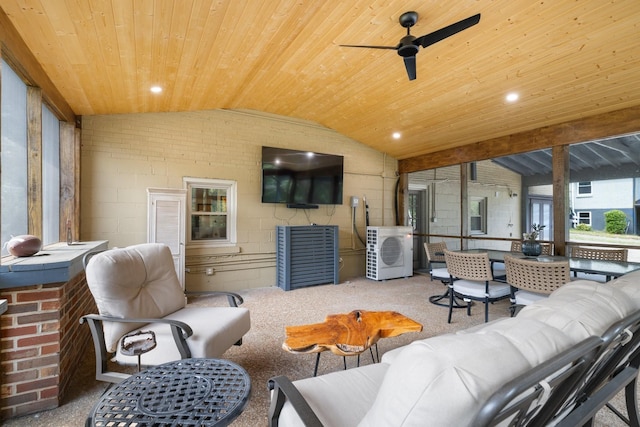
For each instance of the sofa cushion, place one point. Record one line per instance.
(215, 329)
(477, 289)
(136, 281)
(630, 285)
(582, 308)
(528, 297)
(536, 340)
(339, 398)
(443, 380)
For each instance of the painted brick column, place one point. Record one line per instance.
(41, 343)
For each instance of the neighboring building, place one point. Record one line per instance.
(591, 199)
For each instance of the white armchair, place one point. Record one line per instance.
(136, 289)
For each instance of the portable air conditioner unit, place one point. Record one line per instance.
(389, 252)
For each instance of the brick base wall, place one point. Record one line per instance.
(41, 341)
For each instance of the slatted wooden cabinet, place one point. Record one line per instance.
(306, 255)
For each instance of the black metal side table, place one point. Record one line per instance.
(187, 392)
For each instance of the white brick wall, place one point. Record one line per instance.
(123, 155)
(493, 183)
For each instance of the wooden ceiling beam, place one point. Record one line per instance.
(600, 126)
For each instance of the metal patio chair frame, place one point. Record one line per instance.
(473, 270)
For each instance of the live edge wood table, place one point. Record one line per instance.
(187, 392)
(347, 334)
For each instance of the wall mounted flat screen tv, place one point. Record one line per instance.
(301, 178)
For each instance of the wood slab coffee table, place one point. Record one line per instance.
(347, 334)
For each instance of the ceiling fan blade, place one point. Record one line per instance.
(448, 31)
(370, 47)
(410, 65)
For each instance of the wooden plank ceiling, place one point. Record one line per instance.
(568, 59)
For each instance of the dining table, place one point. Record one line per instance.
(610, 269)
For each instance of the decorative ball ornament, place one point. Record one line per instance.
(24, 245)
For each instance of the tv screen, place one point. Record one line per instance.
(301, 177)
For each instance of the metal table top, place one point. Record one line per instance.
(188, 392)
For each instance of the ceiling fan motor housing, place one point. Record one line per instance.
(407, 47)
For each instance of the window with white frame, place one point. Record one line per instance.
(584, 188)
(211, 211)
(477, 215)
(584, 217)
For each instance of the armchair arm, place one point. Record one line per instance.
(233, 298)
(283, 390)
(180, 331)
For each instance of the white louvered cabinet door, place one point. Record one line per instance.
(166, 213)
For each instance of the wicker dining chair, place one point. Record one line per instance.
(532, 280)
(599, 253)
(472, 280)
(547, 248)
(435, 260)
(437, 269)
(603, 254)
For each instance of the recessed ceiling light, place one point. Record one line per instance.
(396, 135)
(156, 89)
(512, 97)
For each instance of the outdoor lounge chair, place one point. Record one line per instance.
(142, 306)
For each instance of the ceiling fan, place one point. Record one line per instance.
(409, 45)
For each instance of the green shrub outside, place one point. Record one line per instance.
(583, 227)
(615, 222)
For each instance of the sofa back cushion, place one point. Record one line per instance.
(442, 381)
(630, 285)
(536, 340)
(582, 308)
(138, 281)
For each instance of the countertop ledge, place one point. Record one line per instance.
(55, 263)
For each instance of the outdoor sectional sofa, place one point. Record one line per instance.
(448, 380)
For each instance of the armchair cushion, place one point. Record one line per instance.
(215, 329)
(144, 285)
